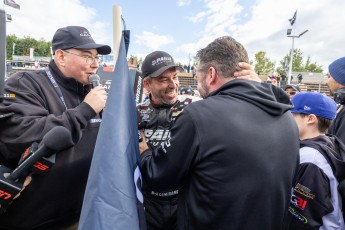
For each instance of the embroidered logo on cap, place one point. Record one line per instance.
(306, 108)
(161, 60)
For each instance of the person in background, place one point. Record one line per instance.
(60, 95)
(225, 175)
(316, 202)
(300, 78)
(156, 117)
(274, 80)
(292, 90)
(336, 85)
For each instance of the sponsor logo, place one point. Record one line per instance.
(301, 189)
(4, 195)
(41, 166)
(95, 120)
(161, 60)
(298, 215)
(298, 202)
(9, 95)
(157, 135)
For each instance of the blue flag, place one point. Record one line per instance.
(110, 198)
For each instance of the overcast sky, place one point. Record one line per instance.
(184, 26)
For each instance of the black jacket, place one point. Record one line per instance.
(338, 125)
(56, 197)
(315, 201)
(233, 156)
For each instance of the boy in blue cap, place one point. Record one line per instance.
(316, 202)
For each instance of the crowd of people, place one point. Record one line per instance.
(237, 153)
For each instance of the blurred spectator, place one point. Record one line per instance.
(187, 91)
(300, 78)
(336, 84)
(292, 90)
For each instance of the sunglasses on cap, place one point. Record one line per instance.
(291, 92)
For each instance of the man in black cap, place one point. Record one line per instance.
(60, 95)
(156, 117)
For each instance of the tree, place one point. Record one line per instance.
(297, 63)
(23, 45)
(263, 64)
(312, 67)
(10, 40)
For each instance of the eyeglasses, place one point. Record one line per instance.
(88, 58)
(291, 92)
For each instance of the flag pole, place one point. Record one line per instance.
(117, 31)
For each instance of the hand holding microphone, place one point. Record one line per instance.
(97, 97)
(57, 139)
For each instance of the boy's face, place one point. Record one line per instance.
(302, 123)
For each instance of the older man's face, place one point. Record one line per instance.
(332, 84)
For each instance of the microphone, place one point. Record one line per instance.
(94, 80)
(54, 141)
(57, 139)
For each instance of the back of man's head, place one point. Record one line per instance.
(224, 54)
(337, 70)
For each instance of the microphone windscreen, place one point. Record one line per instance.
(94, 77)
(57, 139)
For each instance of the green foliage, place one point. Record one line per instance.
(23, 45)
(297, 64)
(263, 64)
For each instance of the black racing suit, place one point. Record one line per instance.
(156, 120)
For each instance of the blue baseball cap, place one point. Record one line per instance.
(314, 103)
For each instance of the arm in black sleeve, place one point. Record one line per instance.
(311, 197)
(170, 162)
(35, 113)
(338, 127)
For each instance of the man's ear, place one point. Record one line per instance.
(59, 57)
(213, 76)
(147, 85)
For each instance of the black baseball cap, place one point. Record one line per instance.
(76, 37)
(156, 63)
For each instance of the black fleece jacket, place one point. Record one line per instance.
(54, 198)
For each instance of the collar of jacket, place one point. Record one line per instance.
(69, 83)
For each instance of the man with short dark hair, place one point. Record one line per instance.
(336, 85)
(228, 175)
(60, 95)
